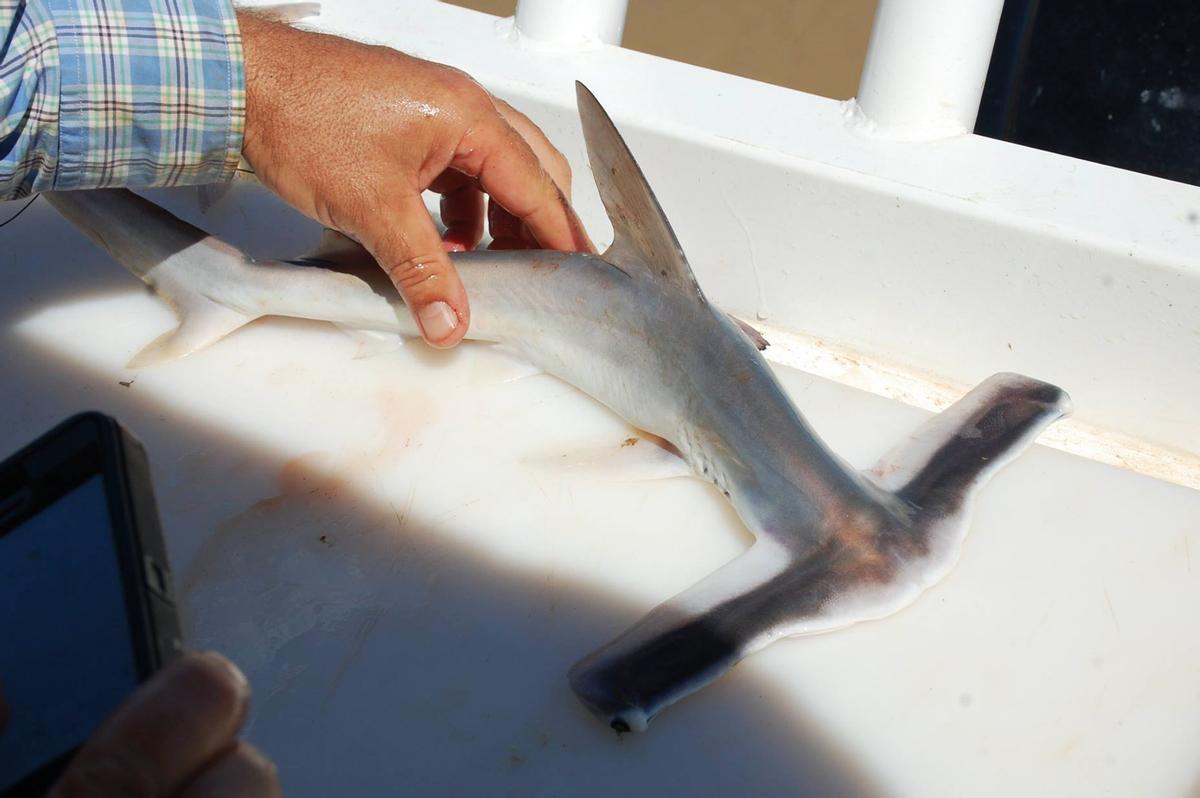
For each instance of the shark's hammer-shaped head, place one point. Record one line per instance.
(866, 547)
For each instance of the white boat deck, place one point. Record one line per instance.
(389, 549)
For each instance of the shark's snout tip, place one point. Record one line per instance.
(1019, 387)
(595, 690)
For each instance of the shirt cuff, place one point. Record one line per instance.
(152, 92)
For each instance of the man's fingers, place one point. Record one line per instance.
(510, 173)
(462, 215)
(508, 232)
(164, 733)
(553, 161)
(405, 242)
(241, 773)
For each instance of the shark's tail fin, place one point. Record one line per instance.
(181, 262)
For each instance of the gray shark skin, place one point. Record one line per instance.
(633, 329)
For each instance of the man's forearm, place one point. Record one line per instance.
(119, 93)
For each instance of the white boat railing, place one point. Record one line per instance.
(926, 65)
(572, 23)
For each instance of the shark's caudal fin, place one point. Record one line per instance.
(872, 561)
(642, 237)
(181, 262)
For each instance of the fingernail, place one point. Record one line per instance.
(438, 320)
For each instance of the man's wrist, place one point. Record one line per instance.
(265, 45)
(254, 29)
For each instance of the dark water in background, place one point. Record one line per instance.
(1115, 82)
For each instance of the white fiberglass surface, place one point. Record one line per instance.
(384, 546)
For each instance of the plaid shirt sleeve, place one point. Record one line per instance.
(97, 93)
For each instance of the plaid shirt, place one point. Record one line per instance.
(98, 93)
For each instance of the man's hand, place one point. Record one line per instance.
(175, 737)
(351, 134)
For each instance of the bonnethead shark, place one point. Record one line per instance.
(633, 329)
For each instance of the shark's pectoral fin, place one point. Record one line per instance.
(953, 453)
(201, 323)
(634, 458)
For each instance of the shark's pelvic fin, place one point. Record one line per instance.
(372, 342)
(756, 337)
(637, 458)
(643, 240)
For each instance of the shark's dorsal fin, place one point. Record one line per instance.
(642, 238)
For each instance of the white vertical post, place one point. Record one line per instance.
(926, 65)
(572, 23)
